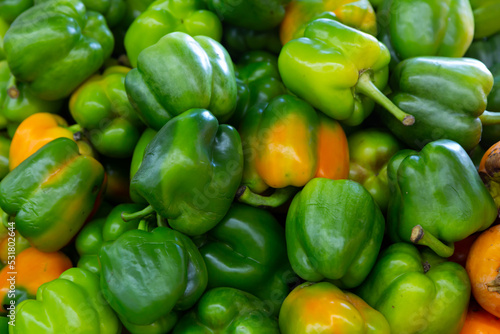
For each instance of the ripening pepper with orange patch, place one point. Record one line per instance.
(288, 143)
(322, 308)
(52, 193)
(38, 130)
(358, 14)
(32, 269)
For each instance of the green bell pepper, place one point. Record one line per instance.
(414, 28)
(447, 96)
(166, 16)
(137, 157)
(190, 173)
(134, 9)
(112, 10)
(418, 292)
(437, 197)
(73, 303)
(101, 107)
(369, 152)
(93, 235)
(55, 52)
(486, 13)
(247, 251)
(4, 156)
(181, 72)
(491, 133)
(258, 72)
(228, 310)
(3, 29)
(147, 275)
(334, 230)
(486, 50)
(10, 9)
(339, 70)
(239, 41)
(250, 14)
(17, 102)
(56, 181)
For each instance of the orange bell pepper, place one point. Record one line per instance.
(38, 130)
(324, 308)
(479, 321)
(483, 267)
(358, 14)
(33, 268)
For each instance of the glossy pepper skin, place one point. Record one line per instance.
(412, 28)
(314, 308)
(369, 152)
(147, 275)
(479, 321)
(491, 133)
(181, 72)
(4, 156)
(191, 171)
(95, 233)
(339, 70)
(447, 96)
(17, 102)
(251, 14)
(228, 310)
(334, 230)
(417, 292)
(487, 50)
(56, 181)
(54, 53)
(258, 73)
(73, 303)
(101, 106)
(4, 26)
(10, 9)
(289, 143)
(32, 269)
(437, 197)
(137, 157)
(358, 14)
(33, 133)
(247, 251)
(165, 16)
(486, 13)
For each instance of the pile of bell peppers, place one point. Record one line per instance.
(252, 166)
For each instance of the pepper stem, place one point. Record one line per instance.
(138, 215)
(366, 87)
(494, 286)
(420, 237)
(159, 220)
(143, 225)
(490, 118)
(75, 128)
(279, 197)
